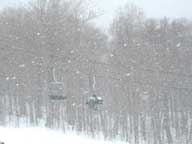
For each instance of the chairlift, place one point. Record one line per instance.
(57, 97)
(94, 101)
(56, 92)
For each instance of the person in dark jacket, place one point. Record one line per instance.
(93, 101)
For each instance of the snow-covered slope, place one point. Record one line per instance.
(46, 136)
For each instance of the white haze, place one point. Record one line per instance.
(108, 8)
(46, 136)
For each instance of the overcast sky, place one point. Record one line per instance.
(152, 8)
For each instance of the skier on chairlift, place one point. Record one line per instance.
(94, 101)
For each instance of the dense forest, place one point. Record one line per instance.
(141, 68)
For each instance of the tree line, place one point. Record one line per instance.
(141, 69)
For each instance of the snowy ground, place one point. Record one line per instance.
(46, 136)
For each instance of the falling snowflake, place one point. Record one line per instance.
(7, 78)
(178, 45)
(38, 33)
(137, 90)
(13, 78)
(125, 44)
(74, 104)
(111, 55)
(138, 44)
(22, 65)
(127, 74)
(72, 51)
(69, 61)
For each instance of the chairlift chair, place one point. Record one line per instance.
(93, 101)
